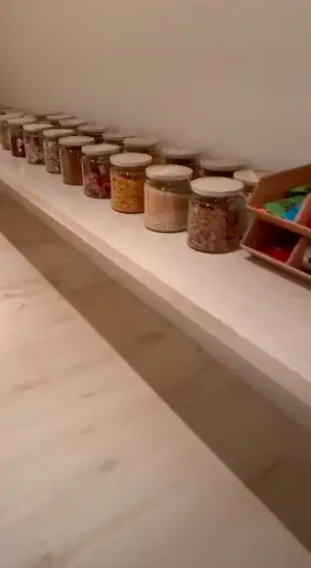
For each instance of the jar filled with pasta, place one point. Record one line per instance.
(128, 174)
(92, 130)
(16, 135)
(33, 137)
(51, 148)
(143, 146)
(96, 169)
(4, 128)
(167, 194)
(219, 167)
(217, 215)
(71, 158)
(187, 157)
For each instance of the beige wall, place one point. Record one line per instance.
(230, 75)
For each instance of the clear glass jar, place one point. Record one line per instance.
(220, 167)
(250, 179)
(217, 215)
(167, 194)
(33, 137)
(55, 119)
(96, 169)
(72, 123)
(51, 148)
(128, 174)
(117, 137)
(16, 135)
(187, 157)
(4, 128)
(96, 132)
(143, 145)
(71, 158)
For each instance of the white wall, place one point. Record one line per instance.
(230, 75)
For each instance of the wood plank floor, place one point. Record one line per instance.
(117, 431)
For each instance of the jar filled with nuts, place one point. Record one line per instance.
(16, 135)
(167, 193)
(96, 169)
(128, 174)
(55, 119)
(117, 137)
(4, 128)
(51, 148)
(217, 215)
(187, 157)
(220, 168)
(33, 137)
(92, 130)
(71, 158)
(143, 145)
(72, 123)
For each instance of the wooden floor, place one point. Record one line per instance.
(96, 467)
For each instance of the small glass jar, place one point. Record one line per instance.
(143, 146)
(250, 179)
(4, 128)
(96, 169)
(43, 116)
(117, 137)
(72, 123)
(33, 137)
(51, 148)
(94, 131)
(55, 119)
(128, 174)
(16, 135)
(187, 157)
(71, 158)
(220, 168)
(167, 194)
(217, 215)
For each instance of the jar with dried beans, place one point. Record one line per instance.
(51, 148)
(33, 137)
(96, 169)
(71, 158)
(128, 174)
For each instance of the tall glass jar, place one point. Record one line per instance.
(167, 194)
(117, 137)
(94, 131)
(220, 168)
(143, 145)
(250, 179)
(96, 169)
(217, 215)
(55, 119)
(33, 137)
(72, 123)
(4, 128)
(51, 148)
(187, 157)
(128, 174)
(16, 135)
(71, 158)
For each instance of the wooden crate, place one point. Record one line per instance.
(266, 228)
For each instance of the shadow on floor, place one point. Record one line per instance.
(266, 449)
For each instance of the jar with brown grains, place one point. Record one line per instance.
(96, 169)
(33, 136)
(128, 174)
(167, 193)
(4, 128)
(16, 135)
(143, 145)
(217, 215)
(51, 148)
(71, 158)
(219, 167)
(118, 137)
(92, 130)
(187, 157)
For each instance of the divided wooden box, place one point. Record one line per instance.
(267, 230)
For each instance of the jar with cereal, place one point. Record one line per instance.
(128, 174)
(217, 215)
(33, 137)
(94, 131)
(96, 169)
(71, 158)
(4, 128)
(143, 145)
(16, 135)
(167, 194)
(72, 123)
(118, 137)
(51, 148)
(219, 167)
(187, 157)
(55, 119)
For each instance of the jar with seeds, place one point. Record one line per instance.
(167, 194)
(72, 123)
(55, 119)
(33, 137)
(187, 157)
(128, 174)
(4, 128)
(16, 135)
(118, 138)
(92, 130)
(148, 146)
(51, 148)
(96, 169)
(219, 167)
(71, 158)
(217, 215)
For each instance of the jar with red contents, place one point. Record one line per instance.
(96, 169)
(16, 135)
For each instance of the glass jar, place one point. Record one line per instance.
(94, 131)
(43, 116)
(217, 215)
(187, 157)
(143, 145)
(250, 179)
(128, 174)
(72, 123)
(4, 128)
(51, 148)
(33, 137)
(220, 167)
(55, 119)
(96, 169)
(117, 137)
(16, 135)
(167, 194)
(71, 158)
